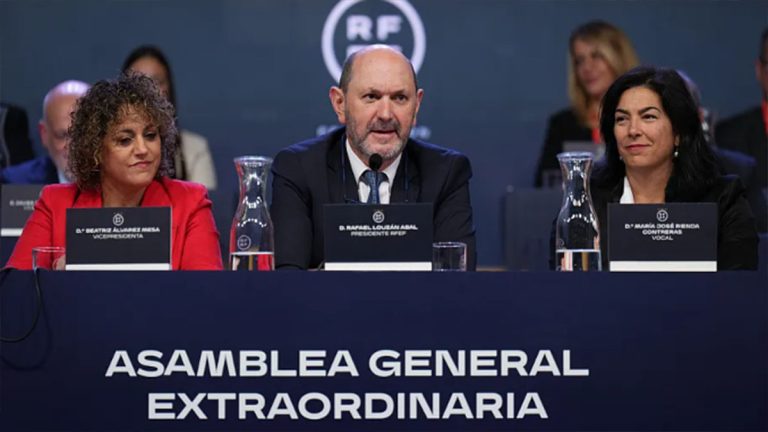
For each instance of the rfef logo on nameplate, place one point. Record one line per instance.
(378, 237)
(662, 237)
(120, 238)
(18, 201)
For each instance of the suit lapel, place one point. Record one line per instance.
(337, 193)
(337, 161)
(407, 168)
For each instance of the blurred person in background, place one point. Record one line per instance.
(733, 162)
(15, 145)
(193, 160)
(747, 132)
(58, 105)
(598, 53)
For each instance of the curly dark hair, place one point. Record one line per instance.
(103, 106)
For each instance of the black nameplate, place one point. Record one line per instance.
(136, 238)
(18, 202)
(675, 233)
(357, 235)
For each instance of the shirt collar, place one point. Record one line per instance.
(627, 197)
(359, 167)
(62, 177)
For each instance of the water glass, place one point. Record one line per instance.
(48, 258)
(449, 256)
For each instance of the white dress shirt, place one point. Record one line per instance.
(359, 167)
(627, 197)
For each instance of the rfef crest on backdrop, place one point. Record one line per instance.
(355, 24)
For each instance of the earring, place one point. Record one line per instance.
(677, 152)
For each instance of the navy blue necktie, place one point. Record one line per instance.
(374, 179)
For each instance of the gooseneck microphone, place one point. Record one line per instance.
(375, 161)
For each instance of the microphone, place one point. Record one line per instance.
(375, 161)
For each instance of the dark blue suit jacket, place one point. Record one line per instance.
(37, 171)
(312, 173)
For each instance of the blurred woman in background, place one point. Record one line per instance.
(598, 53)
(193, 160)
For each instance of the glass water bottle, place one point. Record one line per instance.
(577, 242)
(251, 238)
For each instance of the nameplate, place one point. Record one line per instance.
(662, 237)
(18, 202)
(376, 237)
(135, 238)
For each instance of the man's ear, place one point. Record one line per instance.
(45, 137)
(419, 96)
(338, 102)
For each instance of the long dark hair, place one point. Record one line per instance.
(695, 168)
(154, 52)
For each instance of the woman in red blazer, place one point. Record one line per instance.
(120, 154)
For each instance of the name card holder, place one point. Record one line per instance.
(375, 237)
(136, 238)
(18, 202)
(672, 237)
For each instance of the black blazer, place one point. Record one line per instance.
(309, 174)
(562, 126)
(736, 234)
(745, 133)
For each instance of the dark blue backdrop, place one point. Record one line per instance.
(250, 74)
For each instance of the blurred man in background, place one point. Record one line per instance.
(58, 105)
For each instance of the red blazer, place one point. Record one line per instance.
(194, 239)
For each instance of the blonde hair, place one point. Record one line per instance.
(615, 48)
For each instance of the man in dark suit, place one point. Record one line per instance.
(58, 105)
(748, 132)
(377, 100)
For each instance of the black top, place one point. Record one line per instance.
(562, 126)
(15, 145)
(736, 234)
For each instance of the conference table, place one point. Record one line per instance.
(295, 351)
